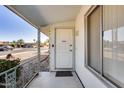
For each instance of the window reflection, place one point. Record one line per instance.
(107, 51)
(113, 44)
(113, 57)
(107, 43)
(121, 39)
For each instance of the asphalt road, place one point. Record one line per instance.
(23, 53)
(18, 50)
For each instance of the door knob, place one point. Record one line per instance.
(52, 45)
(70, 50)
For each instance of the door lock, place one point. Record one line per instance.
(52, 45)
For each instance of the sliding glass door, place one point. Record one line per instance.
(113, 44)
(105, 42)
(94, 39)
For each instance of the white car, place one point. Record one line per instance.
(8, 47)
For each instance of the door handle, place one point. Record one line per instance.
(70, 50)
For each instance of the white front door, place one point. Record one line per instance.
(64, 48)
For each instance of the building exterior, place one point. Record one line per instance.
(2, 43)
(86, 39)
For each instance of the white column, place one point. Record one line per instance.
(38, 44)
(37, 68)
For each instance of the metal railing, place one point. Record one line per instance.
(20, 75)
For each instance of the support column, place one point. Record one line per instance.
(38, 44)
(37, 68)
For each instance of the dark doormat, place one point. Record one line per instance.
(64, 74)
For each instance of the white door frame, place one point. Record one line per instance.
(73, 48)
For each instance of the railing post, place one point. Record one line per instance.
(10, 78)
(6, 79)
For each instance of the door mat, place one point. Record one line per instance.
(64, 74)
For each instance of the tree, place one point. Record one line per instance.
(20, 42)
(13, 44)
(46, 43)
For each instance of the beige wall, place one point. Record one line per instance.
(88, 79)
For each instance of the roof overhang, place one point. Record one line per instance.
(43, 15)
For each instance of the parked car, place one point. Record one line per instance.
(3, 49)
(8, 47)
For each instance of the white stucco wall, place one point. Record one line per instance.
(89, 80)
(67, 24)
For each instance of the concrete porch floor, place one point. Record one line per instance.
(48, 80)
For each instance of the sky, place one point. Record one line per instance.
(12, 27)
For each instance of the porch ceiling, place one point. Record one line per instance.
(41, 15)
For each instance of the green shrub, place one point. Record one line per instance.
(6, 65)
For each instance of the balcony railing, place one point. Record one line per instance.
(21, 75)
